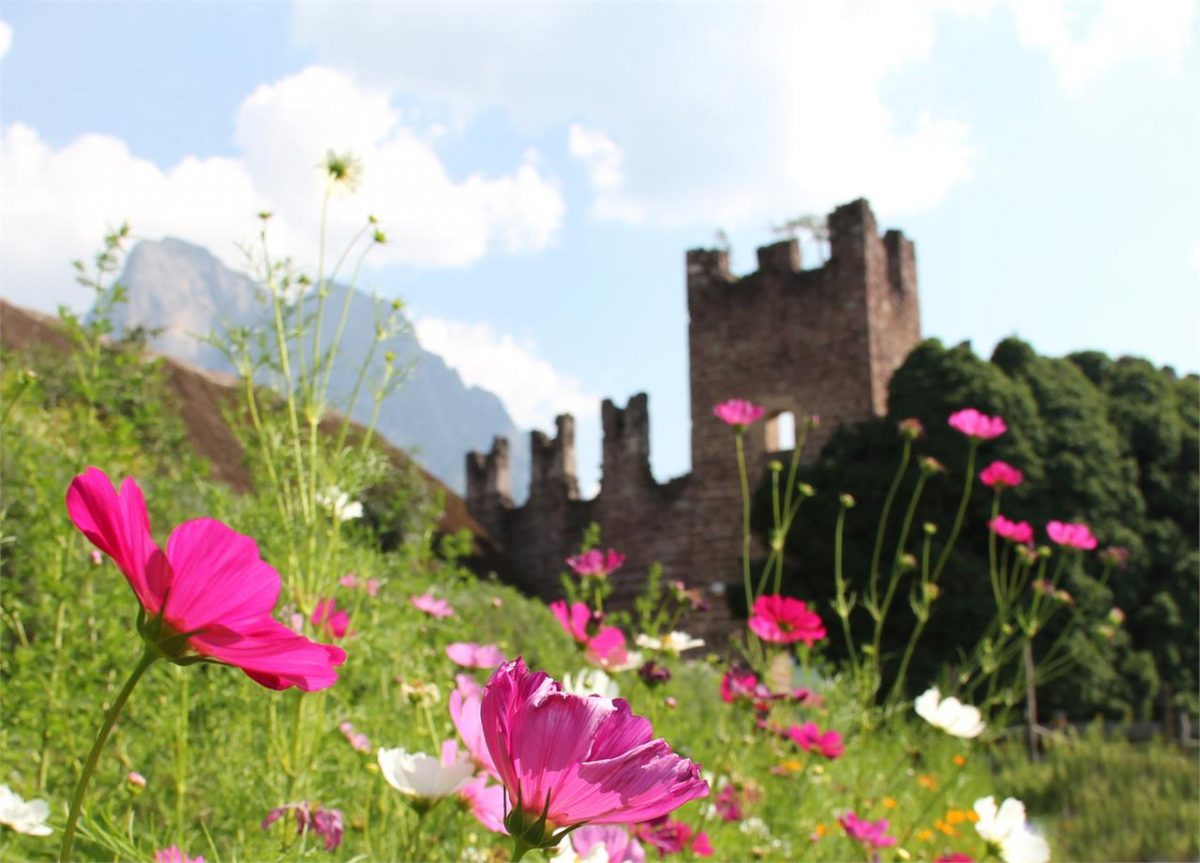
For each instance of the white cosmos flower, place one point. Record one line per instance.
(673, 643)
(338, 502)
(591, 681)
(22, 816)
(598, 853)
(424, 776)
(632, 660)
(950, 715)
(1006, 830)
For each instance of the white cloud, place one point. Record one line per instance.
(532, 390)
(58, 202)
(1084, 40)
(606, 173)
(730, 114)
(5, 37)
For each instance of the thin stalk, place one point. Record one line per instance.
(894, 578)
(918, 628)
(884, 516)
(843, 610)
(745, 487)
(181, 754)
(89, 767)
(962, 510)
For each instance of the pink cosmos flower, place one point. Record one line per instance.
(619, 845)
(783, 620)
(331, 620)
(872, 834)
(1071, 535)
(974, 424)
(465, 703)
(1016, 531)
(574, 620)
(738, 685)
(174, 855)
(209, 593)
(468, 654)
(567, 759)
(738, 412)
(432, 606)
(810, 738)
(359, 741)
(486, 802)
(135, 779)
(1001, 475)
(955, 857)
(730, 799)
(607, 648)
(349, 580)
(327, 823)
(672, 837)
(97, 558)
(596, 563)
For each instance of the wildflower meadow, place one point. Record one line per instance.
(193, 673)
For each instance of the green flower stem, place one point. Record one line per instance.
(843, 606)
(110, 718)
(745, 486)
(962, 511)
(884, 516)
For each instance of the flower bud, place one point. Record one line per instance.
(847, 501)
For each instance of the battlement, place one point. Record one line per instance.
(552, 461)
(489, 479)
(626, 456)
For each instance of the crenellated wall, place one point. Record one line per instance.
(821, 341)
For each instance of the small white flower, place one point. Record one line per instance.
(756, 827)
(598, 853)
(1006, 830)
(424, 776)
(633, 659)
(591, 682)
(339, 504)
(21, 816)
(950, 715)
(673, 643)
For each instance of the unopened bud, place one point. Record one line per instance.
(847, 501)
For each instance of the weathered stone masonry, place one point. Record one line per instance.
(821, 341)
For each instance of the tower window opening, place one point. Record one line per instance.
(781, 432)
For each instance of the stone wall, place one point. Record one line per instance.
(821, 341)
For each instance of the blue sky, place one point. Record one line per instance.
(542, 168)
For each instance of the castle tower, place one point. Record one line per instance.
(823, 342)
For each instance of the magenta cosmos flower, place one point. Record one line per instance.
(596, 563)
(1001, 475)
(738, 412)
(334, 622)
(432, 606)
(1077, 535)
(209, 595)
(605, 647)
(1016, 531)
(810, 738)
(567, 759)
(872, 834)
(782, 619)
(468, 654)
(974, 424)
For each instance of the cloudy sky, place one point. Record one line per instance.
(542, 168)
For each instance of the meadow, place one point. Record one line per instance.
(778, 752)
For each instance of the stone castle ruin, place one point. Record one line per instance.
(821, 341)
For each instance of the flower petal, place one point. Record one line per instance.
(119, 526)
(273, 655)
(218, 578)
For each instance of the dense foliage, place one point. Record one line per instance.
(1112, 443)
